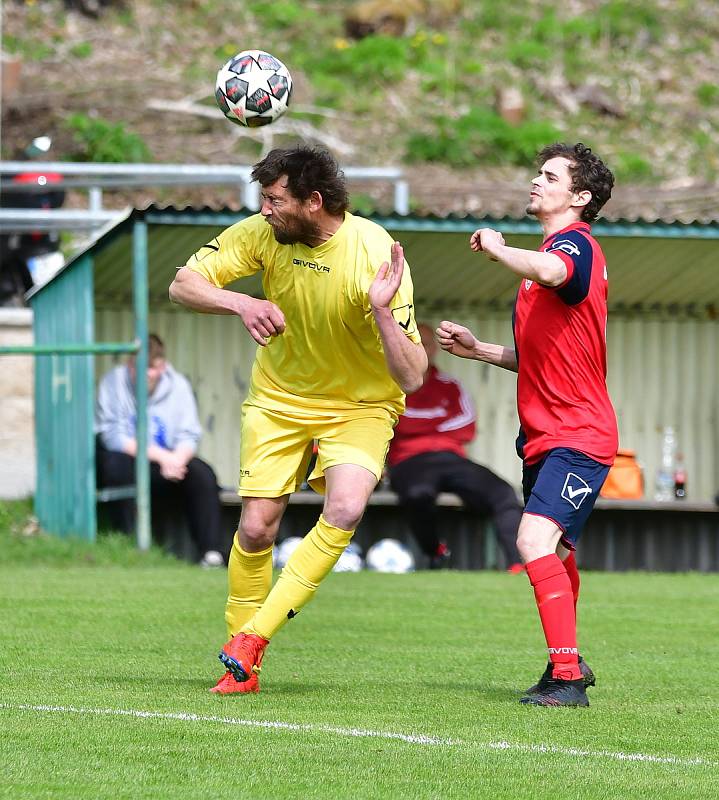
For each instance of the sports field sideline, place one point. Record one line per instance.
(390, 686)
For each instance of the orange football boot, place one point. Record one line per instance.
(228, 685)
(242, 655)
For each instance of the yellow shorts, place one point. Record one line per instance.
(277, 447)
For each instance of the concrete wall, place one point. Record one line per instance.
(17, 426)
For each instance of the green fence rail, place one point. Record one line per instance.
(103, 348)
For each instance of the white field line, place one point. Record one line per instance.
(421, 739)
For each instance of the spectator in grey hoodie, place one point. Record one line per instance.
(173, 434)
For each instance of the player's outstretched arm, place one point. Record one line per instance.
(545, 268)
(460, 341)
(261, 318)
(406, 361)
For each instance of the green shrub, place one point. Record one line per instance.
(496, 15)
(363, 204)
(435, 77)
(330, 91)
(624, 19)
(224, 52)
(619, 21)
(104, 141)
(279, 14)
(373, 60)
(704, 159)
(29, 49)
(81, 50)
(631, 167)
(481, 135)
(527, 54)
(571, 32)
(708, 94)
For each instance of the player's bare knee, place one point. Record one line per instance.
(533, 543)
(529, 543)
(344, 512)
(527, 547)
(256, 534)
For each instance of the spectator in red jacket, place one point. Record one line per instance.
(427, 456)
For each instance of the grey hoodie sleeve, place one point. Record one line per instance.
(115, 417)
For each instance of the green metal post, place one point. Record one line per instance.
(140, 299)
(103, 348)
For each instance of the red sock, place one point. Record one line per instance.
(553, 593)
(570, 564)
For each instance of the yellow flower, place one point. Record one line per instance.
(341, 44)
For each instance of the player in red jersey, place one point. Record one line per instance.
(568, 434)
(427, 455)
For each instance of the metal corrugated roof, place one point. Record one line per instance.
(651, 264)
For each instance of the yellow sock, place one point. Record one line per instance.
(307, 566)
(249, 576)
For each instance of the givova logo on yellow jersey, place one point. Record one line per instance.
(300, 262)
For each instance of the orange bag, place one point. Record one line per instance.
(625, 480)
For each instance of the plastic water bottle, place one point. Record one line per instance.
(664, 488)
(680, 478)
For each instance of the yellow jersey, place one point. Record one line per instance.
(329, 361)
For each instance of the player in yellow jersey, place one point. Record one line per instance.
(338, 348)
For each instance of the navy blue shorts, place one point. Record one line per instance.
(563, 487)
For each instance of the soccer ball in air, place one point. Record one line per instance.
(389, 555)
(253, 88)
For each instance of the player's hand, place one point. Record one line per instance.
(486, 240)
(262, 319)
(388, 279)
(173, 466)
(456, 339)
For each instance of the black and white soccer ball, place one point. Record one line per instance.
(351, 560)
(253, 88)
(389, 555)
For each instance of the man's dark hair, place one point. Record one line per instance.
(308, 169)
(588, 172)
(155, 348)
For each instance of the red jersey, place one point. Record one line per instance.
(560, 340)
(438, 416)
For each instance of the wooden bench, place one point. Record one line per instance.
(669, 536)
(672, 536)
(471, 538)
(381, 497)
(663, 536)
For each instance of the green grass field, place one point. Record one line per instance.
(385, 687)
